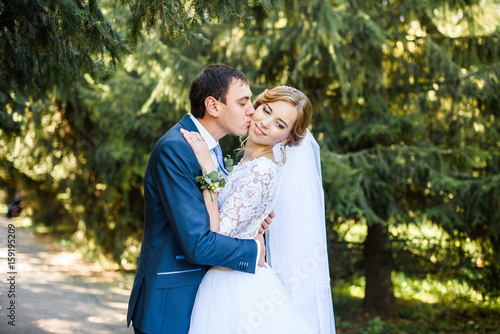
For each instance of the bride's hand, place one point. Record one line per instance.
(200, 149)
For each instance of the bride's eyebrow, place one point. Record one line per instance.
(279, 119)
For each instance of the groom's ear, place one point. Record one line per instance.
(211, 106)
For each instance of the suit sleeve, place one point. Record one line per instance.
(183, 202)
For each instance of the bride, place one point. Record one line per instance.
(230, 301)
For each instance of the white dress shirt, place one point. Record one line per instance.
(211, 142)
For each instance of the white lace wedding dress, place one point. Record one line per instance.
(233, 302)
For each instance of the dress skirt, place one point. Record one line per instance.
(233, 302)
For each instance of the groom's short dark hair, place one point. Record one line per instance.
(213, 81)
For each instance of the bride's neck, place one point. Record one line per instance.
(254, 151)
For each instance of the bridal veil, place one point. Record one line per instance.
(296, 240)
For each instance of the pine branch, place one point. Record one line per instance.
(178, 18)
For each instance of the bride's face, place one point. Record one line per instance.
(272, 122)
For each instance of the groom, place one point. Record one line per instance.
(177, 245)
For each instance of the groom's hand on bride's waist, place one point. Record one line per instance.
(260, 238)
(265, 224)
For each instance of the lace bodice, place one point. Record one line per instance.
(249, 196)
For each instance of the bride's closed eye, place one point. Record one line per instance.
(280, 125)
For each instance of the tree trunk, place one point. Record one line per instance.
(379, 291)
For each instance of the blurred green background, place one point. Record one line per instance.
(406, 98)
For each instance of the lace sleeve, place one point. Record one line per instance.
(250, 200)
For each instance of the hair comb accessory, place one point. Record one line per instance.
(288, 87)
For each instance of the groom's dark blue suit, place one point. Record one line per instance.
(177, 245)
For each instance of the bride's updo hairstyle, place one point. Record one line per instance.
(299, 100)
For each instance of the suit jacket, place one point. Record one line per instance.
(177, 245)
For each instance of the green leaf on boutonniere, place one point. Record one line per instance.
(214, 176)
(211, 181)
(229, 163)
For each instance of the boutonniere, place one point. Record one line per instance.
(228, 161)
(213, 181)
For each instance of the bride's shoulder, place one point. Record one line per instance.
(263, 165)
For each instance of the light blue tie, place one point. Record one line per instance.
(220, 160)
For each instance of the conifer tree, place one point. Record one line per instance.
(179, 19)
(86, 150)
(407, 105)
(406, 109)
(50, 43)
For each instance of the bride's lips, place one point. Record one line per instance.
(258, 130)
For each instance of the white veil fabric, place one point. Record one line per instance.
(296, 240)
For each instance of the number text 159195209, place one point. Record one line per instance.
(11, 263)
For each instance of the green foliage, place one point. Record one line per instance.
(50, 43)
(178, 19)
(445, 314)
(406, 111)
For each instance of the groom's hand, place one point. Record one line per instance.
(265, 224)
(262, 259)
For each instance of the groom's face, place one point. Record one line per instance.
(235, 114)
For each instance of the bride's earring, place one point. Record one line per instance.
(283, 153)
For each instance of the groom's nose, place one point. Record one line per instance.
(250, 110)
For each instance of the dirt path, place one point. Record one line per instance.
(55, 291)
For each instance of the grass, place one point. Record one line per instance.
(422, 306)
(3, 209)
(414, 316)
